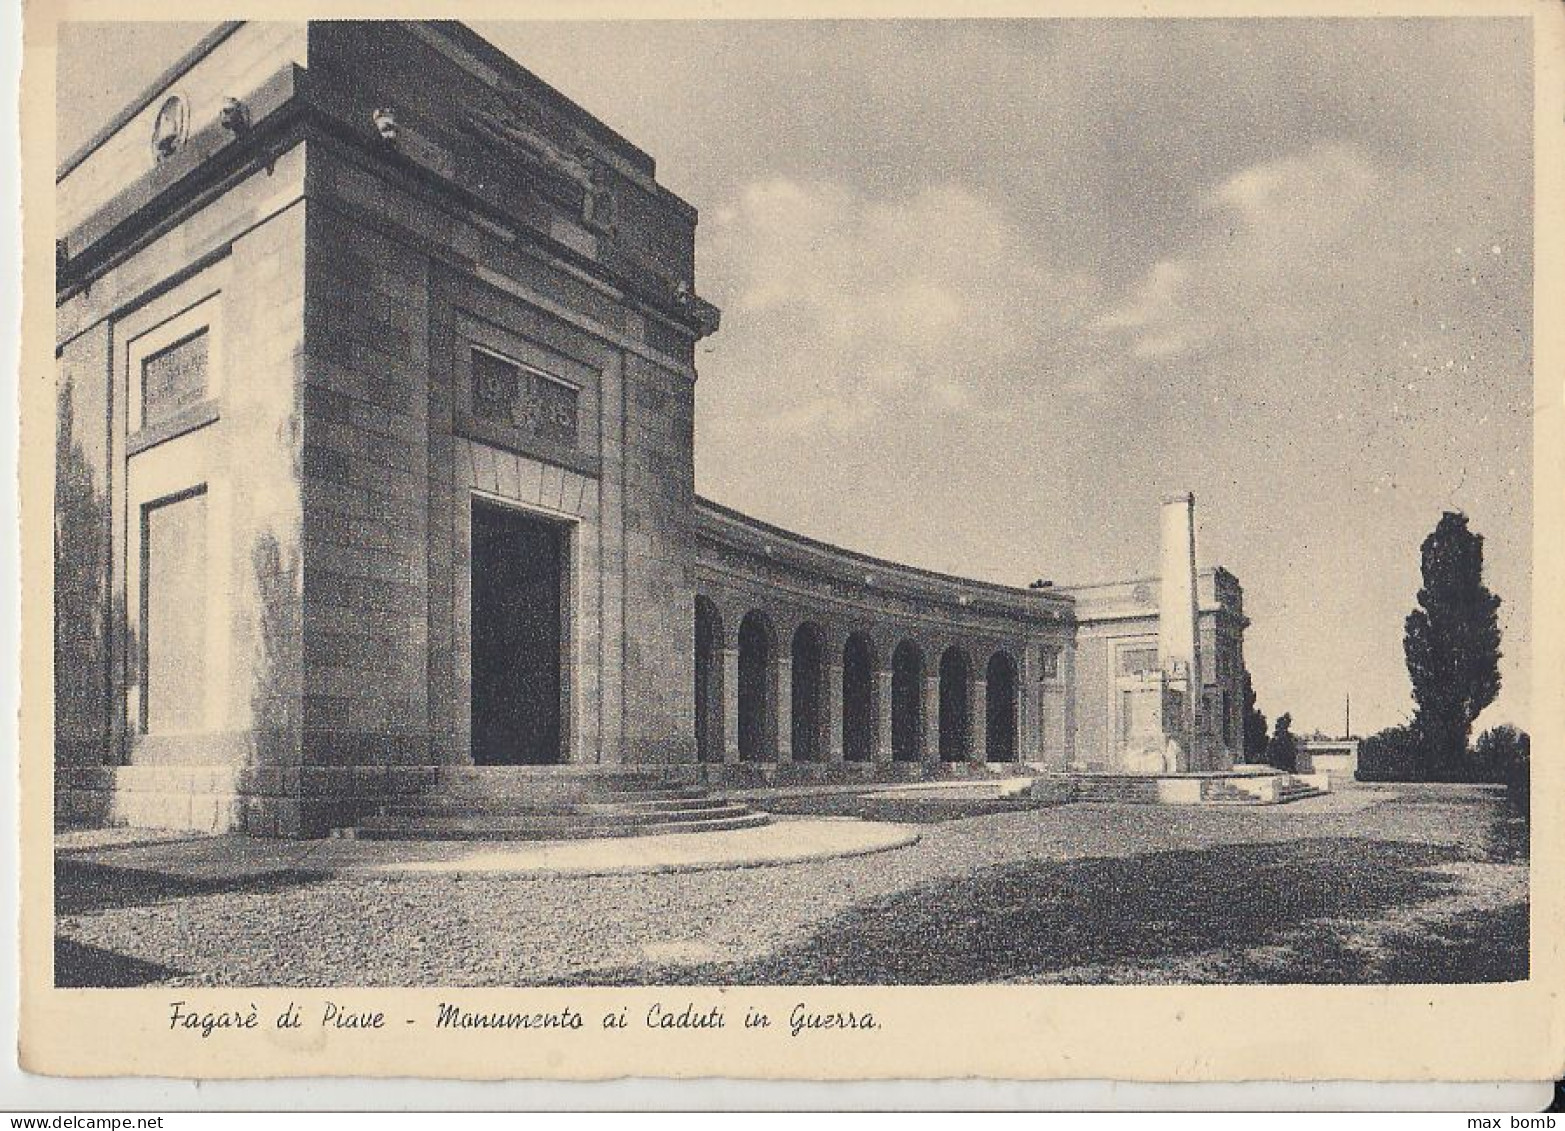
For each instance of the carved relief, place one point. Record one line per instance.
(517, 129)
(577, 176)
(508, 394)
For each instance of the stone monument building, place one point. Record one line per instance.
(375, 460)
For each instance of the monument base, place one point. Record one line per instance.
(1247, 786)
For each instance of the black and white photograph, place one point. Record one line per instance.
(793, 503)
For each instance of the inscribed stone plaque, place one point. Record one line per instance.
(174, 378)
(1133, 660)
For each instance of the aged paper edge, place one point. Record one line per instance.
(1467, 1033)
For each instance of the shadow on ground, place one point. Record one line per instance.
(81, 966)
(82, 887)
(1141, 915)
(1489, 946)
(1509, 840)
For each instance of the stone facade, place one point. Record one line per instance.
(1117, 659)
(331, 289)
(958, 638)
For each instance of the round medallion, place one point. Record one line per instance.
(170, 127)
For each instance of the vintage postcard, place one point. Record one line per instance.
(831, 543)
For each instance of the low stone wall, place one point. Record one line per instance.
(760, 774)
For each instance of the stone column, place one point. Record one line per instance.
(1028, 691)
(978, 720)
(834, 751)
(730, 705)
(782, 691)
(880, 712)
(931, 718)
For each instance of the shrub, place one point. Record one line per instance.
(1283, 750)
(1504, 754)
(1390, 755)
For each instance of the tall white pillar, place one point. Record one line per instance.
(1177, 640)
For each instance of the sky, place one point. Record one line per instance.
(990, 289)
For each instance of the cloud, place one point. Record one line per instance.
(1318, 190)
(1287, 240)
(857, 306)
(1153, 312)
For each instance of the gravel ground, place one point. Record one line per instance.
(1424, 884)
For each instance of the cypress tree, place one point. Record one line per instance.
(1452, 645)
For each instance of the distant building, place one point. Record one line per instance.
(375, 456)
(1337, 756)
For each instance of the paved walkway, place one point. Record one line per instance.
(231, 858)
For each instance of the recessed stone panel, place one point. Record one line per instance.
(174, 614)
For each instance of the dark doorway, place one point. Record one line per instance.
(811, 695)
(518, 570)
(1000, 709)
(757, 699)
(956, 727)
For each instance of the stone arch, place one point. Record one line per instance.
(709, 681)
(1000, 708)
(811, 694)
(956, 721)
(907, 695)
(858, 698)
(757, 688)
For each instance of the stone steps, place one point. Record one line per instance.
(656, 796)
(559, 783)
(476, 797)
(772, 774)
(1225, 793)
(1119, 790)
(508, 807)
(1132, 790)
(499, 803)
(563, 827)
(1295, 790)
